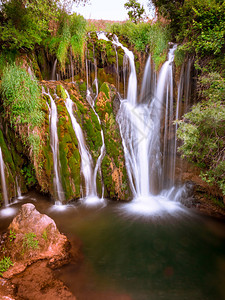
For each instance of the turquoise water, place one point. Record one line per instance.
(130, 257)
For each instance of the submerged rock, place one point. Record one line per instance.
(31, 237)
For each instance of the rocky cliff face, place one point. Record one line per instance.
(113, 172)
(37, 169)
(103, 73)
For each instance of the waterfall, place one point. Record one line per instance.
(132, 82)
(117, 70)
(86, 159)
(53, 77)
(187, 88)
(140, 125)
(3, 181)
(53, 119)
(92, 102)
(140, 129)
(165, 96)
(183, 93)
(72, 67)
(95, 80)
(125, 73)
(18, 189)
(147, 88)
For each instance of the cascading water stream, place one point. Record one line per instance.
(3, 181)
(91, 101)
(117, 70)
(53, 77)
(95, 80)
(86, 159)
(53, 119)
(132, 82)
(183, 102)
(18, 189)
(164, 95)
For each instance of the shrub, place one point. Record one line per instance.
(5, 263)
(22, 102)
(155, 37)
(203, 131)
(70, 37)
(29, 241)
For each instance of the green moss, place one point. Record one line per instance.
(89, 124)
(6, 153)
(48, 162)
(69, 154)
(83, 87)
(114, 158)
(106, 173)
(180, 55)
(61, 92)
(13, 163)
(105, 89)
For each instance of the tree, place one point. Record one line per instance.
(135, 10)
(26, 23)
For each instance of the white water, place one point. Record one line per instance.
(53, 77)
(132, 82)
(95, 81)
(117, 70)
(53, 120)
(140, 130)
(165, 84)
(18, 189)
(86, 159)
(92, 102)
(3, 181)
(140, 125)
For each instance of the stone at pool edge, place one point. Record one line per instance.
(55, 247)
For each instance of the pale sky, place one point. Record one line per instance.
(107, 9)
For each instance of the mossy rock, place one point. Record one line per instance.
(13, 164)
(69, 153)
(89, 124)
(60, 91)
(113, 165)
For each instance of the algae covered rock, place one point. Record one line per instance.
(13, 165)
(113, 164)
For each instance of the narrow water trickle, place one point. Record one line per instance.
(86, 159)
(91, 101)
(53, 76)
(53, 120)
(18, 189)
(3, 181)
(164, 95)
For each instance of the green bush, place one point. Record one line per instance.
(199, 24)
(22, 102)
(29, 241)
(12, 235)
(21, 97)
(70, 37)
(154, 37)
(203, 130)
(25, 23)
(5, 263)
